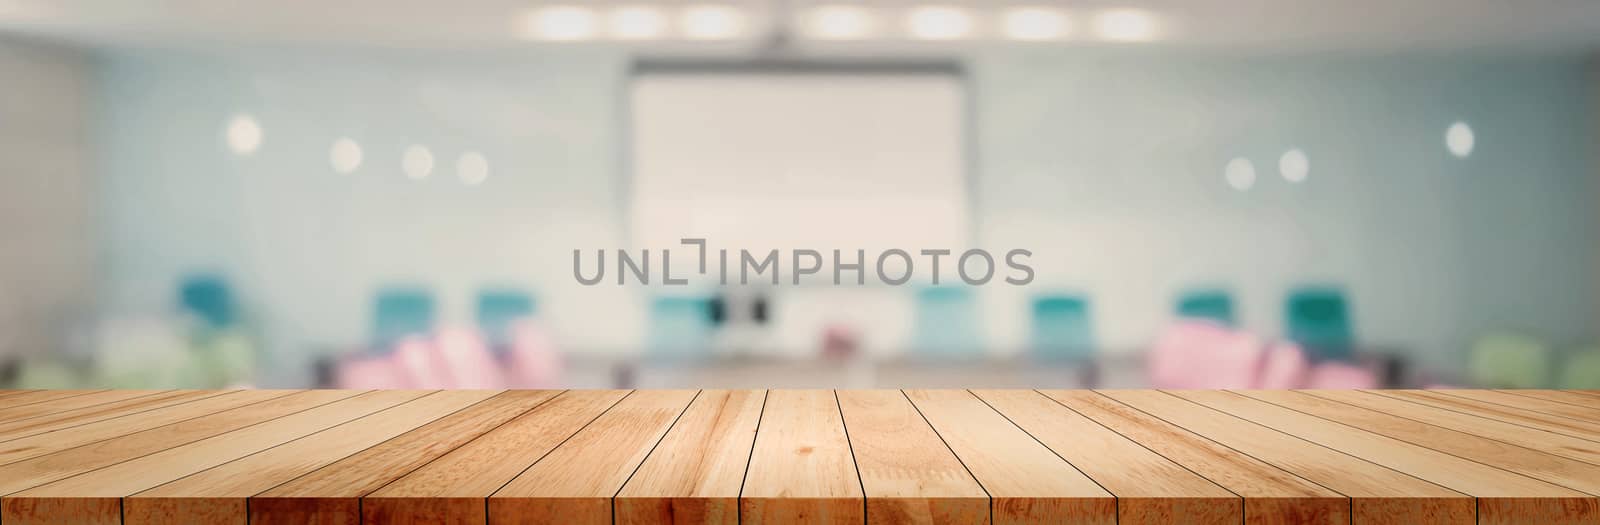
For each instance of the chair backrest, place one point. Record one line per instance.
(1509, 360)
(1283, 366)
(946, 323)
(1211, 305)
(1581, 371)
(1062, 327)
(1319, 321)
(498, 309)
(400, 312)
(209, 298)
(681, 326)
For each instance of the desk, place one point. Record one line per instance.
(799, 456)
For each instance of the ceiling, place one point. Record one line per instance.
(1252, 25)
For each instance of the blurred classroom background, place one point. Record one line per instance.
(366, 194)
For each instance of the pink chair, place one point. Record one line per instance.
(532, 360)
(1283, 365)
(416, 358)
(467, 360)
(370, 373)
(1200, 355)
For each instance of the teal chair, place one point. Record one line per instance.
(1319, 321)
(498, 309)
(400, 312)
(1211, 305)
(946, 323)
(209, 298)
(681, 327)
(1062, 328)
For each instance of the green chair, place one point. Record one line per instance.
(681, 327)
(1062, 329)
(1581, 371)
(399, 312)
(1212, 305)
(1319, 320)
(1509, 360)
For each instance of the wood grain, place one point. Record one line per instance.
(1576, 475)
(455, 487)
(58, 455)
(907, 473)
(1026, 481)
(1271, 495)
(330, 495)
(129, 477)
(218, 495)
(1590, 414)
(43, 408)
(1561, 396)
(1557, 444)
(1546, 422)
(1149, 488)
(10, 430)
(575, 482)
(1503, 497)
(695, 473)
(28, 397)
(801, 469)
(1378, 494)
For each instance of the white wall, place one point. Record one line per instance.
(45, 195)
(1108, 166)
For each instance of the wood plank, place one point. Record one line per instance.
(44, 408)
(29, 397)
(801, 469)
(907, 473)
(218, 495)
(1149, 488)
(331, 495)
(1377, 494)
(86, 498)
(1547, 422)
(575, 482)
(696, 471)
(35, 458)
(1532, 463)
(1026, 481)
(1528, 403)
(1503, 497)
(455, 488)
(1271, 495)
(1556, 444)
(10, 430)
(1561, 396)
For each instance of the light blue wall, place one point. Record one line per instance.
(1108, 166)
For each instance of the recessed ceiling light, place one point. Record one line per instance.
(243, 134)
(344, 156)
(472, 168)
(416, 162)
(562, 23)
(712, 22)
(1459, 139)
(1126, 25)
(1034, 23)
(1294, 166)
(939, 23)
(1240, 174)
(636, 23)
(840, 22)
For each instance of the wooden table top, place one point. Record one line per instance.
(799, 456)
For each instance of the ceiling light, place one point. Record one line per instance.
(1240, 174)
(1459, 139)
(416, 162)
(636, 23)
(345, 156)
(243, 134)
(1125, 25)
(840, 22)
(939, 23)
(1294, 166)
(712, 22)
(1034, 23)
(560, 23)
